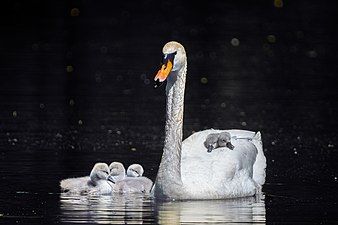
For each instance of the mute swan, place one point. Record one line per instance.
(216, 140)
(117, 171)
(134, 182)
(135, 170)
(95, 183)
(186, 170)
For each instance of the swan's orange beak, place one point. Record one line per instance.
(163, 73)
(165, 70)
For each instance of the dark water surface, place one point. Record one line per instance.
(76, 88)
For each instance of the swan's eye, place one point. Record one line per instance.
(167, 57)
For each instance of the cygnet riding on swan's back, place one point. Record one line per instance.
(95, 183)
(186, 170)
(217, 140)
(134, 182)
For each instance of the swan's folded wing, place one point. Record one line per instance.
(73, 183)
(260, 163)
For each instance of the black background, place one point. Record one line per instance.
(76, 84)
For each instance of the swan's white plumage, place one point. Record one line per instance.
(95, 183)
(187, 170)
(223, 173)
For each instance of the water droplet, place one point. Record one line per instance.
(133, 149)
(273, 143)
(330, 145)
(243, 123)
(80, 122)
(235, 42)
(335, 178)
(118, 132)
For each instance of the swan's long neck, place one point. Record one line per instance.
(169, 183)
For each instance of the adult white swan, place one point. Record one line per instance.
(187, 170)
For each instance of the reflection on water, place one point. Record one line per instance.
(117, 209)
(138, 209)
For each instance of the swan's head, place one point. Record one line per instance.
(117, 171)
(224, 140)
(100, 171)
(135, 170)
(174, 58)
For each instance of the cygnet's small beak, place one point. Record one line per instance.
(163, 73)
(111, 179)
(210, 148)
(230, 146)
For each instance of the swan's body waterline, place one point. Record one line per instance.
(187, 173)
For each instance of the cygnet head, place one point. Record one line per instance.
(174, 58)
(224, 140)
(135, 170)
(211, 142)
(117, 171)
(100, 171)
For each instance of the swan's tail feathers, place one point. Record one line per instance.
(260, 163)
(257, 136)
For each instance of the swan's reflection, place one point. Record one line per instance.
(140, 209)
(243, 210)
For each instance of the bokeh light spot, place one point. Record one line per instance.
(235, 42)
(271, 38)
(204, 80)
(278, 3)
(69, 69)
(14, 114)
(75, 12)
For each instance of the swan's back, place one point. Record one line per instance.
(223, 171)
(74, 184)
